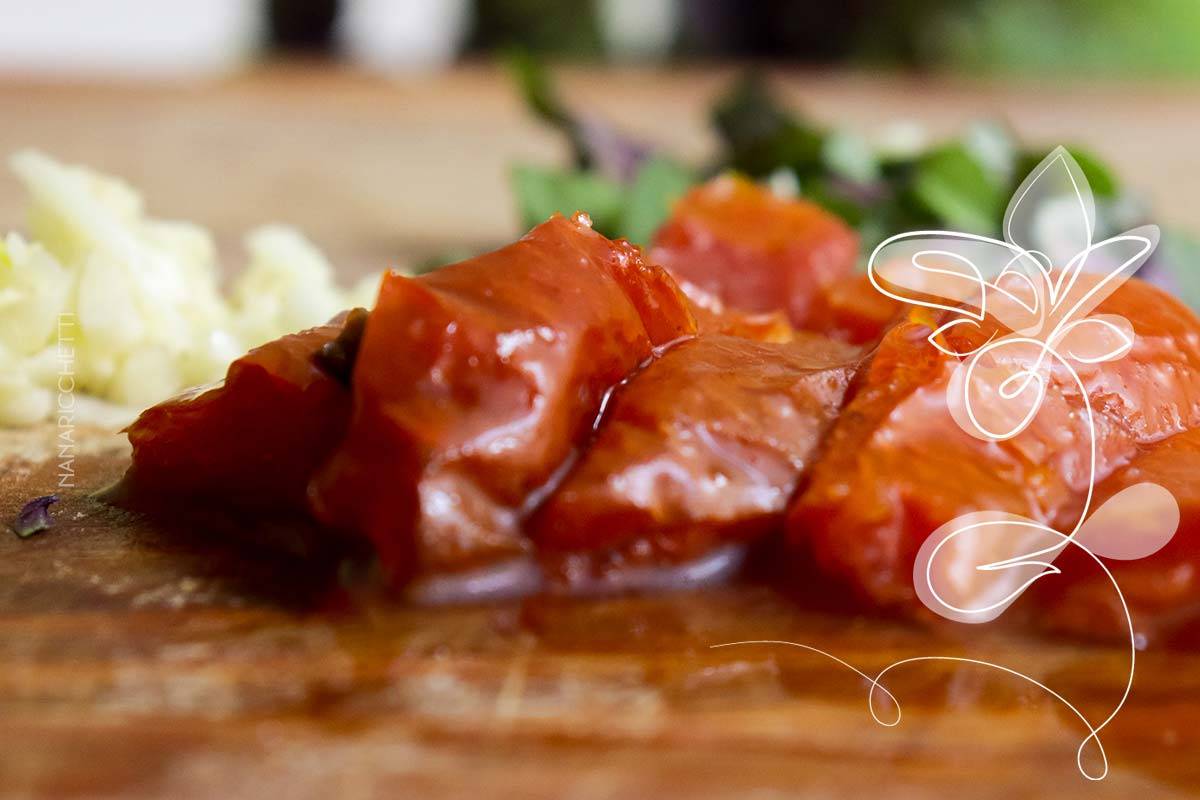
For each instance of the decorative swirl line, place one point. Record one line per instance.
(876, 681)
(1024, 559)
(932, 269)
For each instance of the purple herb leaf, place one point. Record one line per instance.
(34, 517)
(595, 144)
(614, 154)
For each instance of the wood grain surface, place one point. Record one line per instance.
(144, 659)
(141, 658)
(381, 170)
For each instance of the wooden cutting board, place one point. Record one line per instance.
(144, 660)
(138, 660)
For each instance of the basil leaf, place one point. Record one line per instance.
(659, 183)
(949, 183)
(760, 135)
(540, 96)
(1101, 179)
(1099, 176)
(595, 144)
(541, 192)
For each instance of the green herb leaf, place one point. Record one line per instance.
(760, 135)
(1104, 184)
(1099, 176)
(595, 145)
(962, 185)
(541, 192)
(829, 196)
(949, 183)
(540, 96)
(659, 183)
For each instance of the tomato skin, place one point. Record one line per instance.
(753, 250)
(1162, 590)
(474, 383)
(850, 309)
(713, 316)
(252, 441)
(702, 447)
(896, 466)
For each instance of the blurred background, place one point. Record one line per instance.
(388, 129)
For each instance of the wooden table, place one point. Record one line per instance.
(141, 659)
(380, 170)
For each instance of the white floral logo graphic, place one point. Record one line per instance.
(1016, 315)
(1040, 283)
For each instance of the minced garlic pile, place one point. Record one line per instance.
(121, 311)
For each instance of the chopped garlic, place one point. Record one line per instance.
(34, 288)
(287, 283)
(22, 402)
(130, 306)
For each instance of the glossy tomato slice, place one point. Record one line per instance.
(1162, 590)
(850, 309)
(896, 466)
(253, 440)
(701, 448)
(753, 250)
(476, 382)
(713, 316)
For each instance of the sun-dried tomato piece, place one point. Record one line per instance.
(251, 441)
(1162, 590)
(753, 250)
(896, 466)
(713, 316)
(701, 448)
(851, 310)
(475, 383)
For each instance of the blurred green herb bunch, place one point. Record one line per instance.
(628, 186)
